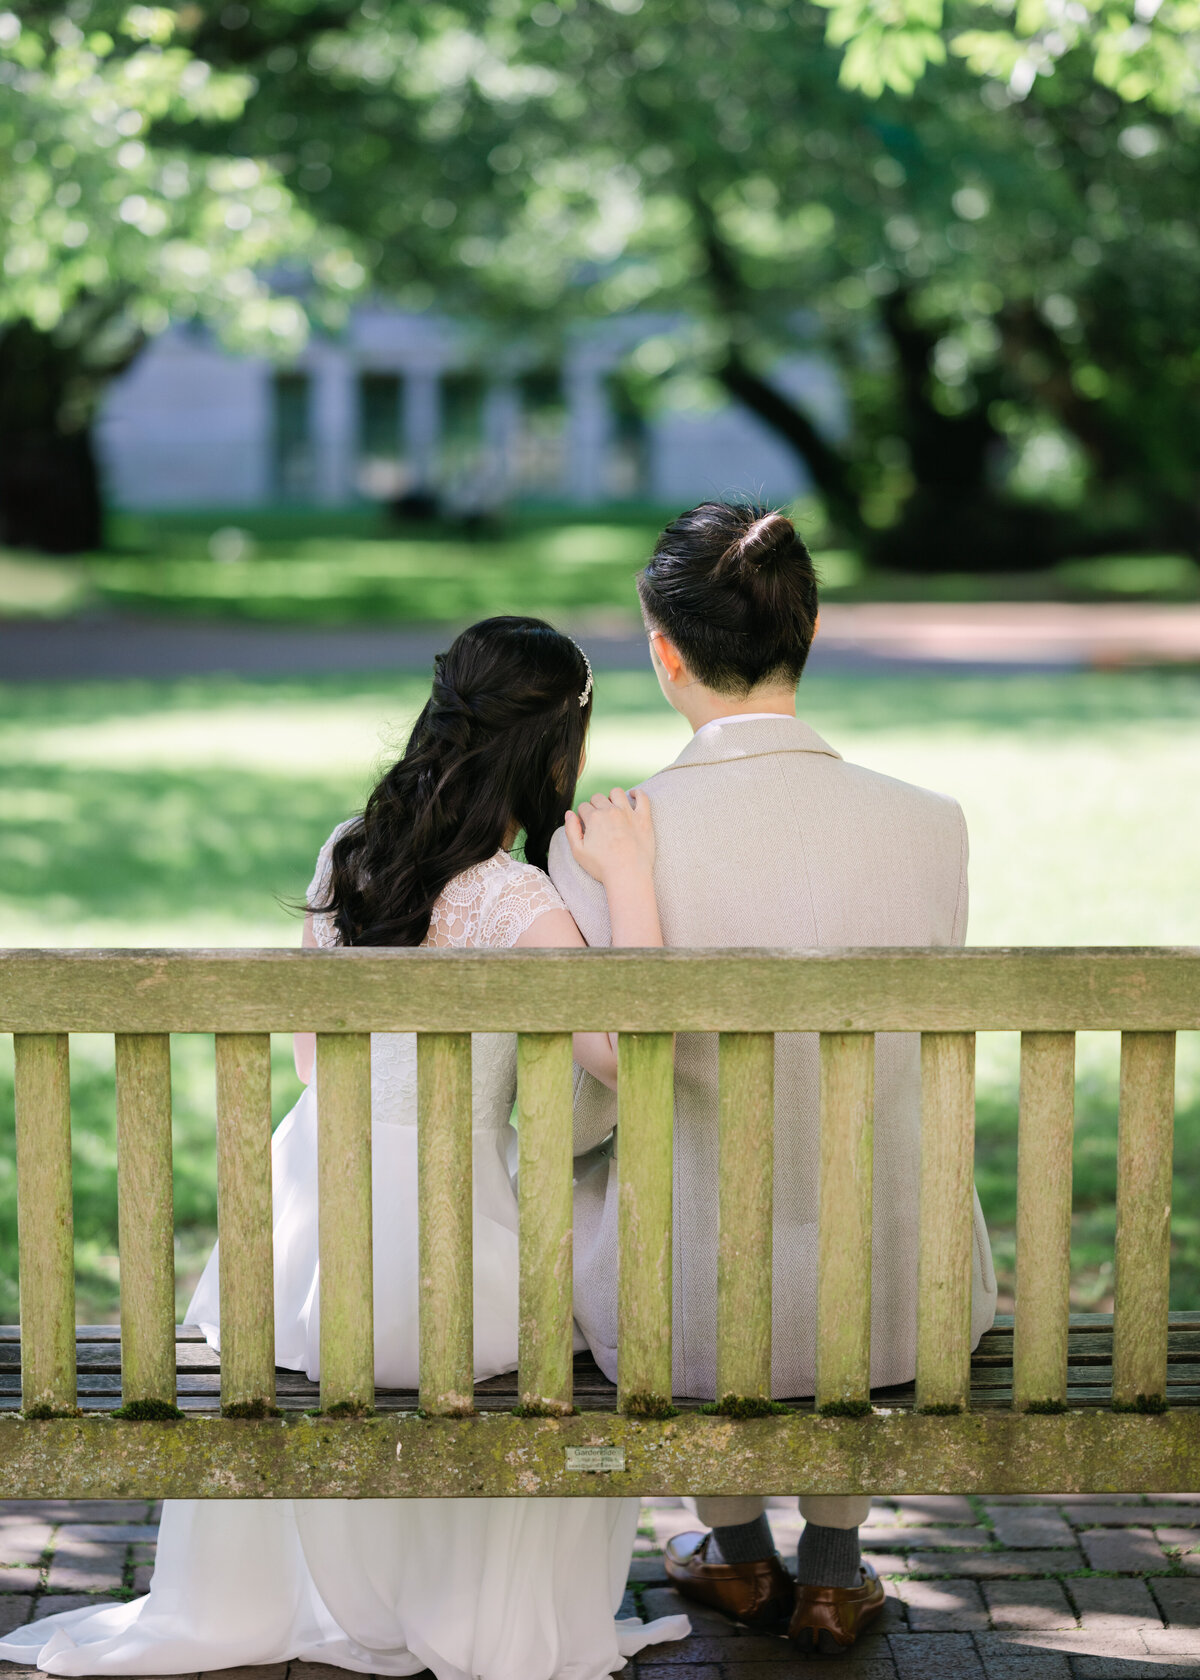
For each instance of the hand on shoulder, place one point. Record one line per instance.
(612, 835)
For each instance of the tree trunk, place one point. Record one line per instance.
(49, 484)
(954, 521)
(828, 469)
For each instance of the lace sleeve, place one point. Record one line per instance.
(524, 895)
(324, 927)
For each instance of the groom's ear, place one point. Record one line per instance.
(667, 654)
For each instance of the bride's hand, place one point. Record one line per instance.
(612, 835)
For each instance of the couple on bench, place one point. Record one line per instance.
(758, 834)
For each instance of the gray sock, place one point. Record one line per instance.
(743, 1542)
(828, 1557)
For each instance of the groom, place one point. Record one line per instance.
(766, 836)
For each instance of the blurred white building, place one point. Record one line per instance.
(409, 404)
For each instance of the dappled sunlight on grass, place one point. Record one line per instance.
(190, 813)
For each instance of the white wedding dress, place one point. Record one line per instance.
(473, 1589)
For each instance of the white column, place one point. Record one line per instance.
(589, 428)
(333, 420)
(422, 424)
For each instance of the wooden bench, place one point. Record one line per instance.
(1049, 1403)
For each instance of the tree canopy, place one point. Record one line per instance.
(983, 215)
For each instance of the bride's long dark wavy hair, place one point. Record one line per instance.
(497, 745)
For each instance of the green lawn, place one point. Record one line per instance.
(190, 813)
(344, 567)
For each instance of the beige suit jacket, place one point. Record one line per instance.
(765, 836)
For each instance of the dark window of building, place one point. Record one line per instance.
(462, 430)
(541, 457)
(628, 464)
(292, 434)
(381, 467)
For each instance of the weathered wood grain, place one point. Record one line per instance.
(544, 1122)
(344, 1227)
(1044, 1138)
(45, 1223)
(745, 1203)
(844, 1219)
(401, 1456)
(444, 1194)
(367, 989)
(1145, 1134)
(645, 1155)
(245, 1269)
(146, 1216)
(945, 1217)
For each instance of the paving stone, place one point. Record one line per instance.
(1028, 1604)
(1125, 1551)
(20, 1579)
(1121, 1516)
(141, 1577)
(301, 1671)
(105, 1533)
(665, 1601)
(77, 1510)
(51, 1603)
(648, 1572)
(1174, 1498)
(935, 1656)
(14, 1612)
(1178, 1600)
(887, 1563)
(935, 1508)
(701, 1671)
(22, 1541)
(277, 1671)
(96, 1567)
(735, 1647)
(1006, 1656)
(1186, 1538)
(1064, 1499)
(848, 1667)
(1172, 1641)
(1114, 1606)
(942, 1606)
(143, 1554)
(985, 1565)
(1030, 1525)
(928, 1535)
(1119, 1666)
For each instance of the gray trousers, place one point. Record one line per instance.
(827, 1510)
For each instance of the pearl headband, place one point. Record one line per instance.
(587, 687)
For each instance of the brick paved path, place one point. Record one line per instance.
(1065, 1588)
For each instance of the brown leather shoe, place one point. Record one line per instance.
(760, 1594)
(830, 1619)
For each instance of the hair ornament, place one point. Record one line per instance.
(587, 687)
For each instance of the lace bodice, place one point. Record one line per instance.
(489, 905)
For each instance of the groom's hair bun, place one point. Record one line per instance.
(733, 585)
(767, 542)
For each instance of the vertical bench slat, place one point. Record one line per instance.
(246, 1265)
(645, 1153)
(1144, 1145)
(544, 1134)
(1043, 1304)
(344, 1231)
(745, 1214)
(946, 1232)
(445, 1203)
(145, 1217)
(844, 1227)
(45, 1223)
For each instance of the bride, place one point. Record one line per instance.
(501, 1589)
